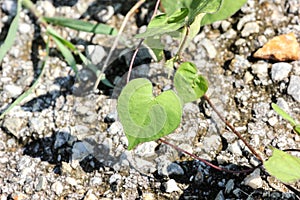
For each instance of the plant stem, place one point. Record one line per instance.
(233, 129)
(182, 44)
(140, 44)
(116, 41)
(206, 162)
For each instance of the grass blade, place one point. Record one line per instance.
(10, 38)
(82, 25)
(29, 91)
(283, 114)
(63, 45)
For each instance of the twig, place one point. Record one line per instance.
(208, 163)
(128, 15)
(140, 44)
(233, 129)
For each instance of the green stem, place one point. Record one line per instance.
(183, 42)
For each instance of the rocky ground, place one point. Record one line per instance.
(65, 142)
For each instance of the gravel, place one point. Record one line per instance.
(65, 142)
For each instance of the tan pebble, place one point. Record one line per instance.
(280, 48)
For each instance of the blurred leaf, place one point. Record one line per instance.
(82, 25)
(10, 38)
(189, 85)
(145, 117)
(227, 9)
(283, 166)
(283, 114)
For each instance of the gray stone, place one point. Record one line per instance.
(57, 187)
(171, 186)
(61, 138)
(229, 186)
(280, 71)
(261, 110)
(235, 148)
(146, 149)
(174, 169)
(9, 6)
(80, 150)
(254, 179)
(220, 196)
(41, 184)
(37, 124)
(250, 28)
(212, 144)
(294, 87)
(244, 20)
(95, 53)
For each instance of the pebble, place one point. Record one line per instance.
(235, 148)
(210, 49)
(250, 28)
(71, 181)
(115, 128)
(254, 180)
(115, 178)
(294, 87)
(229, 186)
(41, 184)
(10, 7)
(146, 149)
(57, 187)
(171, 186)
(281, 48)
(14, 125)
(95, 53)
(80, 150)
(212, 144)
(90, 196)
(24, 28)
(174, 169)
(13, 90)
(260, 69)
(280, 71)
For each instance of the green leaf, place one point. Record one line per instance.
(162, 24)
(82, 25)
(283, 166)
(227, 9)
(195, 7)
(297, 128)
(145, 117)
(189, 85)
(283, 114)
(10, 38)
(154, 43)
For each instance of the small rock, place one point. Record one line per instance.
(13, 90)
(174, 169)
(272, 121)
(280, 71)
(57, 187)
(148, 196)
(235, 148)
(41, 184)
(14, 125)
(250, 28)
(90, 196)
(61, 138)
(80, 150)
(220, 196)
(171, 186)
(95, 53)
(146, 149)
(212, 144)
(229, 186)
(260, 69)
(294, 87)
(71, 181)
(115, 128)
(9, 7)
(211, 50)
(254, 180)
(24, 28)
(115, 178)
(261, 110)
(281, 48)
(37, 124)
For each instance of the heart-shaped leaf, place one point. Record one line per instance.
(145, 117)
(189, 85)
(283, 166)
